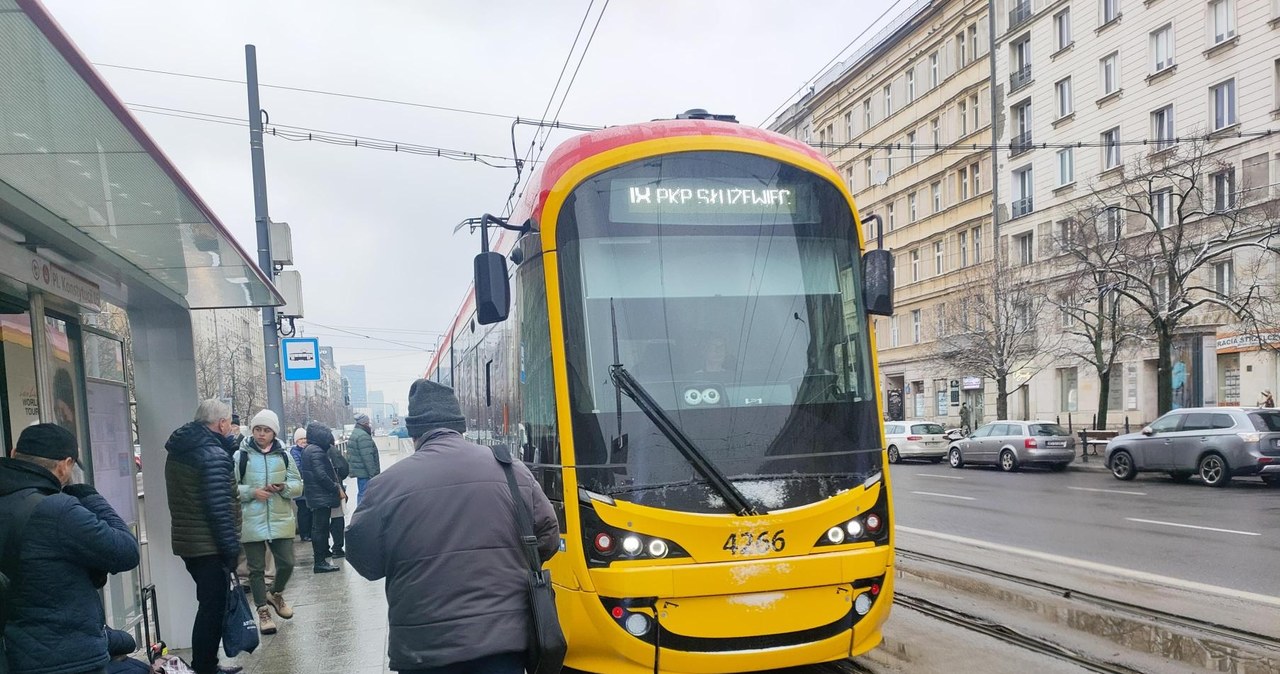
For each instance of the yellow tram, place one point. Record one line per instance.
(672, 331)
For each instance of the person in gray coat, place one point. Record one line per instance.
(441, 527)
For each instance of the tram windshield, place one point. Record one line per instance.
(729, 286)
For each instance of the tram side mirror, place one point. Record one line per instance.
(877, 282)
(493, 288)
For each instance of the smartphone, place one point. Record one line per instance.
(277, 487)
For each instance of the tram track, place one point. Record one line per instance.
(1008, 635)
(1203, 627)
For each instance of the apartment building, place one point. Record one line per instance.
(907, 121)
(1086, 88)
(229, 358)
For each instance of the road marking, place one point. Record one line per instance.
(942, 477)
(929, 493)
(1141, 576)
(1110, 491)
(1192, 526)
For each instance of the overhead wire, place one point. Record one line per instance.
(358, 334)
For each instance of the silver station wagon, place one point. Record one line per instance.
(1013, 444)
(1217, 443)
(913, 439)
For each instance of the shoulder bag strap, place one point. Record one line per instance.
(18, 519)
(528, 539)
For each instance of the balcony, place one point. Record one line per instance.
(1022, 207)
(1019, 15)
(1020, 77)
(1021, 143)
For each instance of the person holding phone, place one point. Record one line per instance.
(267, 480)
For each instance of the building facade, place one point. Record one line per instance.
(355, 376)
(1092, 101)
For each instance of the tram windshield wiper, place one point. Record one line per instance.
(628, 385)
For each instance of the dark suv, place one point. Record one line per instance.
(1217, 443)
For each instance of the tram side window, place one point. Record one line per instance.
(537, 389)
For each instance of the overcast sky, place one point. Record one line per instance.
(372, 229)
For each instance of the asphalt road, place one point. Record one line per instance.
(1226, 537)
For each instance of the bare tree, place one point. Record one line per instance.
(1168, 232)
(992, 330)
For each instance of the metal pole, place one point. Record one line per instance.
(270, 338)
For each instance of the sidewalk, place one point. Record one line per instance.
(340, 619)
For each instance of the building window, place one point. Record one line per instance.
(888, 159)
(1068, 311)
(915, 326)
(1021, 316)
(888, 100)
(848, 174)
(937, 258)
(911, 207)
(1223, 97)
(911, 147)
(1062, 94)
(1224, 190)
(893, 331)
(1162, 49)
(1222, 273)
(1110, 74)
(962, 183)
(1066, 167)
(964, 249)
(1062, 29)
(1110, 148)
(822, 138)
(1161, 205)
(975, 183)
(911, 83)
(915, 265)
(1110, 11)
(866, 114)
(963, 115)
(1162, 290)
(1023, 187)
(1021, 128)
(848, 126)
(936, 130)
(973, 39)
(1020, 65)
(933, 70)
(1162, 127)
(1222, 20)
(1112, 223)
(977, 244)
(973, 110)
(1025, 248)
(961, 56)
(936, 189)
(889, 213)
(1068, 394)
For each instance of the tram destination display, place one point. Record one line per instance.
(709, 201)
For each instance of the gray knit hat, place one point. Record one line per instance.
(433, 406)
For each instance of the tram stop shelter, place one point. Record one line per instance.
(93, 214)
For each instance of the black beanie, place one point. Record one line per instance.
(433, 406)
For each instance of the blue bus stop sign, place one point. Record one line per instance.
(301, 358)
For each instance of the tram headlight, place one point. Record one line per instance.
(658, 548)
(862, 604)
(835, 535)
(632, 544)
(637, 624)
(855, 528)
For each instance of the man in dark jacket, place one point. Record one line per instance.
(322, 490)
(362, 453)
(205, 508)
(72, 540)
(441, 527)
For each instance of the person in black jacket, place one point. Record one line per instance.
(322, 489)
(205, 509)
(73, 540)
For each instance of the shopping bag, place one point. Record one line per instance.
(239, 628)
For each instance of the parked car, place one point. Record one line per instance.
(915, 439)
(1012, 444)
(1217, 443)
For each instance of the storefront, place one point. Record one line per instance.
(93, 214)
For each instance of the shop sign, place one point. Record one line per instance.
(23, 265)
(971, 383)
(1248, 342)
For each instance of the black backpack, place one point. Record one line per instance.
(12, 528)
(244, 463)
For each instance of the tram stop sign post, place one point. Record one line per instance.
(301, 358)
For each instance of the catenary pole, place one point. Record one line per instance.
(270, 338)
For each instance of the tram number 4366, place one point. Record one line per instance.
(752, 543)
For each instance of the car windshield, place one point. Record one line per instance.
(1044, 430)
(927, 429)
(743, 324)
(1266, 421)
